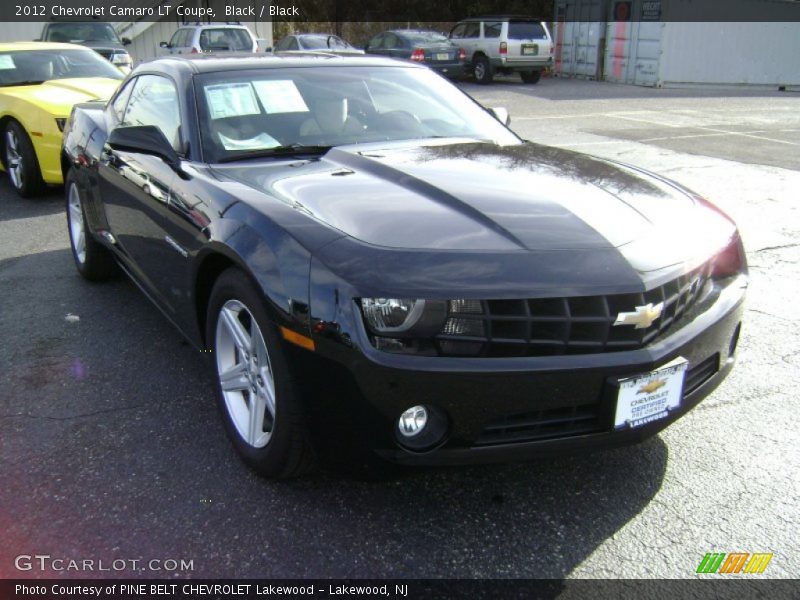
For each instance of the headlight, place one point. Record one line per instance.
(731, 261)
(391, 315)
(403, 316)
(121, 59)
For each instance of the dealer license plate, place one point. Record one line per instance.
(530, 49)
(442, 56)
(651, 396)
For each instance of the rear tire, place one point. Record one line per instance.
(530, 76)
(93, 261)
(19, 159)
(482, 69)
(258, 400)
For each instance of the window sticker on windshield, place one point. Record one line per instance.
(231, 100)
(7, 62)
(280, 96)
(261, 142)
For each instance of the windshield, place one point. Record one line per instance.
(78, 33)
(36, 66)
(247, 112)
(322, 42)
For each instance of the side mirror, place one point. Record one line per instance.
(501, 114)
(164, 45)
(145, 139)
(126, 41)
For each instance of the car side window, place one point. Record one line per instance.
(293, 44)
(458, 31)
(375, 42)
(390, 41)
(175, 39)
(492, 29)
(472, 30)
(119, 103)
(154, 101)
(283, 44)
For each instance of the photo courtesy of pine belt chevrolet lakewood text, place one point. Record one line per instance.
(376, 265)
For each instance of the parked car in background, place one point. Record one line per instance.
(100, 37)
(39, 84)
(426, 47)
(310, 42)
(211, 37)
(505, 44)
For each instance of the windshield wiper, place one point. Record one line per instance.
(289, 150)
(27, 82)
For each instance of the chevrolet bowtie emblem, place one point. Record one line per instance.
(653, 386)
(642, 317)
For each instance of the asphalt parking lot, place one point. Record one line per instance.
(110, 446)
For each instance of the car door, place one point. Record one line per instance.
(465, 35)
(152, 211)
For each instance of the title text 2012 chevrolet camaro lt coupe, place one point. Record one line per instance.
(378, 264)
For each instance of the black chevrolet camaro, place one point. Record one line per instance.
(373, 262)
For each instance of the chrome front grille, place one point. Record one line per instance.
(565, 325)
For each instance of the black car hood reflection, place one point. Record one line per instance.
(483, 197)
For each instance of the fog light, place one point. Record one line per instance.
(412, 421)
(421, 428)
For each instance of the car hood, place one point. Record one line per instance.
(59, 95)
(474, 196)
(104, 46)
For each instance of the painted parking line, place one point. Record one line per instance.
(714, 133)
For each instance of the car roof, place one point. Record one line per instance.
(234, 61)
(502, 18)
(414, 31)
(11, 46)
(212, 26)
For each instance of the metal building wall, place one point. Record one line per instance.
(20, 32)
(731, 53)
(579, 33)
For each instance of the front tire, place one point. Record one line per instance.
(93, 261)
(482, 69)
(530, 76)
(257, 398)
(20, 161)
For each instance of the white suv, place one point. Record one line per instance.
(211, 37)
(505, 44)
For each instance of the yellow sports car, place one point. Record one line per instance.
(39, 84)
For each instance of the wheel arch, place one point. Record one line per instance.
(209, 267)
(478, 54)
(211, 263)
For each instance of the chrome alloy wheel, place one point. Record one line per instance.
(245, 373)
(14, 163)
(76, 228)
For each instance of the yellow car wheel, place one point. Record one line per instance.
(20, 161)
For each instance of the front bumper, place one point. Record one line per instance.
(368, 389)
